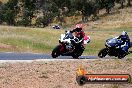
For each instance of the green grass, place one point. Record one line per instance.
(44, 40)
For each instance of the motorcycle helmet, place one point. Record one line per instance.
(124, 33)
(79, 27)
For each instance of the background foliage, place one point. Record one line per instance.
(40, 13)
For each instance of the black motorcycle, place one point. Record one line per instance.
(69, 45)
(113, 49)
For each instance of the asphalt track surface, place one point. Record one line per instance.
(34, 56)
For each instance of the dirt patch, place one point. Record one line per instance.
(5, 46)
(59, 74)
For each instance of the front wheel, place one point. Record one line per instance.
(103, 52)
(56, 51)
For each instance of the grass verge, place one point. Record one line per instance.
(44, 40)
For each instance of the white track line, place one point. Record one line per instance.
(38, 60)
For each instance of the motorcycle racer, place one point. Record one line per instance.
(79, 34)
(126, 41)
(71, 44)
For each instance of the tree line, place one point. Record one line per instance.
(40, 13)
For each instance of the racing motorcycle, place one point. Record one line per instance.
(113, 48)
(69, 45)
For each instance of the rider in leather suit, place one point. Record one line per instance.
(79, 33)
(126, 41)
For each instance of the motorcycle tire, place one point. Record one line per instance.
(56, 52)
(103, 52)
(78, 52)
(121, 55)
(75, 56)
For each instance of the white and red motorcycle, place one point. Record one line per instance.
(69, 45)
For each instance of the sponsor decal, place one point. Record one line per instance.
(82, 78)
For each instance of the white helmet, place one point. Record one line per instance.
(124, 33)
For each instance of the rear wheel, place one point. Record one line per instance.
(56, 51)
(103, 52)
(78, 53)
(75, 56)
(121, 55)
